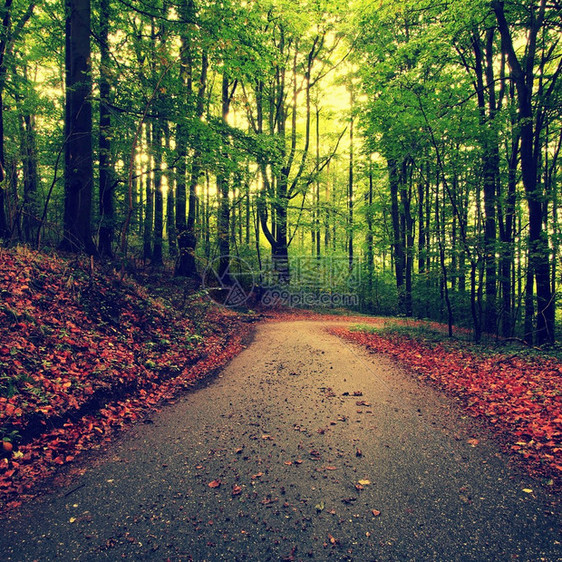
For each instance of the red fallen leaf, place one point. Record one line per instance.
(331, 467)
(268, 501)
(258, 475)
(332, 539)
(236, 490)
(215, 483)
(375, 512)
(58, 460)
(473, 442)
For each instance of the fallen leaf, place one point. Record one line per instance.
(236, 490)
(364, 482)
(215, 483)
(375, 512)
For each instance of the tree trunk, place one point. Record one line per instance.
(6, 22)
(30, 211)
(187, 240)
(223, 191)
(398, 245)
(538, 238)
(157, 252)
(106, 172)
(350, 189)
(148, 206)
(78, 131)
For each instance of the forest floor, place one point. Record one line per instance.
(86, 351)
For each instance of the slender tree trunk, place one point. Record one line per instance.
(170, 197)
(30, 211)
(421, 229)
(485, 82)
(398, 245)
(148, 221)
(223, 191)
(408, 236)
(507, 228)
(106, 172)
(369, 240)
(6, 23)
(350, 191)
(444, 275)
(157, 252)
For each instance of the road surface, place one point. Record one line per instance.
(304, 448)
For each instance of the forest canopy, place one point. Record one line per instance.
(397, 157)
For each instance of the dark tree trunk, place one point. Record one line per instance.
(186, 202)
(223, 191)
(407, 237)
(157, 252)
(106, 172)
(6, 21)
(30, 212)
(398, 243)
(539, 258)
(485, 84)
(369, 240)
(78, 122)
(148, 219)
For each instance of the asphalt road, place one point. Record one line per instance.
(304, 448)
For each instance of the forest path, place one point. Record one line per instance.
(276, 459)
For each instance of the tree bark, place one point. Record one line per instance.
(78, 128)
(398, 242)
(530, 150)
(106, 172)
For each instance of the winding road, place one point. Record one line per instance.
(304, 448)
